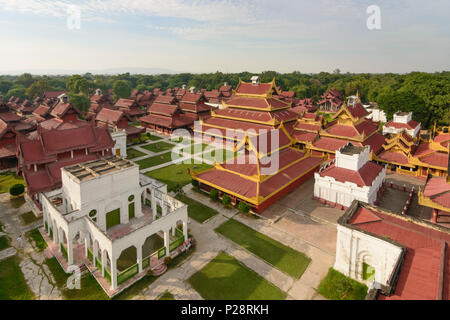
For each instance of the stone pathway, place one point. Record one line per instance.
(32, 263)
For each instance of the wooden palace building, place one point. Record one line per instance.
(259, 128)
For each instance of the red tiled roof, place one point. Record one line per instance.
(304, 136)
(307, 126)
(364, 177)
(394, 157)
(9, 117)
(42, 110)
(125, 103)
(438, 159)
(330, 144)
(249, 88)
(410, 125)
(53, 94)
(163, 109)
(62, 108)
(109, 116)
(419, 277)
(376, 142)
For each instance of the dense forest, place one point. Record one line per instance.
(425, 94)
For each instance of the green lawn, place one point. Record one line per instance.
(225, 278)
(57, 272)
(4, 243)
(336, 286)
(286, 259)
(36, 237)
(166, 296)
(9, 179)
(196, 210)
(154, 161)
(154, 138)
(28, 218)
(133, 153)
(176, 175)
(158, 147)
(12, 282)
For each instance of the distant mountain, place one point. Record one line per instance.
(110, 71)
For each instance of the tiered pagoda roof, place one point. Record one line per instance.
(260, 174)
(349, 125)
(307, 127)
(252, 107)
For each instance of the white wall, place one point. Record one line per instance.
(352, 162)
(120, 137)
(353, 248)
(344, 193)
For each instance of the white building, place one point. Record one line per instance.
(120, 137)
(399, 257)
(402, 121)
(375, 113)
(350, 176)
(105, 207)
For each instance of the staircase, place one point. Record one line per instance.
(159, 270)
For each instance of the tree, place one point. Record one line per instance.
(393, 101)
(243, 207)
(78, 84)
(214, 194)
(122, 89)
(226, 200)
(5, 86)
(80, 101)
(17, 189)
(18, 92)
(37, 89)
(25, 80)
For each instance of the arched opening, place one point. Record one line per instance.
(127, 258)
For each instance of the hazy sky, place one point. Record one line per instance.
(225, 35)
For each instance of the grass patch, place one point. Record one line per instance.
(28, 218)
(197, 211)
(158, 147)
(284, 258)
(58, 273)
(12, 282)
(133, 153)
(90, 290)
(220, 155)
(166, 296)
(336, 286)
(154, 138)
(8, 179)
(36, 237)
(154, 161)
(176, 175)
(4, 243)
(136, 288)
(225, 278)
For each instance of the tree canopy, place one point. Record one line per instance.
(426, 94)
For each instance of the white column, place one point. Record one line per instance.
(167, 241)
(86, 246)
(185, 230)
(94, 253)
(103, 263)
(113, 273)
(60, 239)
(173, 231)
(164, 210)
(139, 257)
(69, 252)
